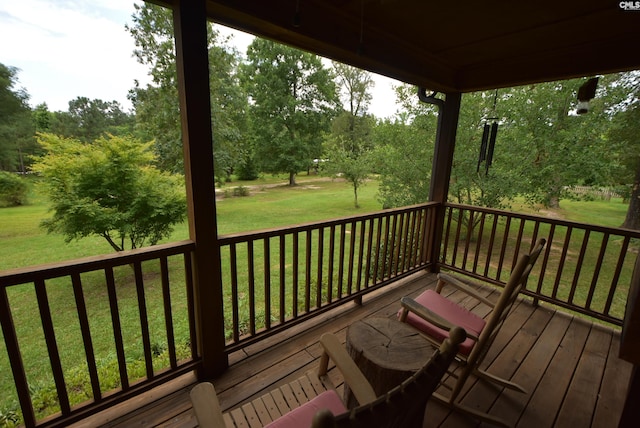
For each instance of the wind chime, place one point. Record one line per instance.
(489, 135)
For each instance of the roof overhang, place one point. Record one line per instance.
(451, 46)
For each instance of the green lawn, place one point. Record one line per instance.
(315, 198)
(603, 213)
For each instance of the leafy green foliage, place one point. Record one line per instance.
(45, 397)
(9, 418)
(551, 146)
(355, 169)
(348, 148)
(42, 118)
(473, 183)
(294, 100)
(16, 127)
(542, 147)
(157, 104)
(404, 152)
(87, 120)
(13, 190)
(624, 141)
(355, 85)
(237, 191)
(110, 189)
(247, 168)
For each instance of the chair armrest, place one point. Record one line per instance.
(206, 405)
(360, 386)
(465, 287)
(457, 335)
(410, 305)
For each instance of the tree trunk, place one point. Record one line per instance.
(554, 201)
(553, 197)
(292, 179)
(355, 195)
(632, 220)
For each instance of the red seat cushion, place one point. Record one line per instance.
(302, 416)
(450, 311)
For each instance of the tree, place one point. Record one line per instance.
(13, 189)
(293, 101)
(109, 188)
(349, 146)
(542, 146)
(157, 104)
(554, 147)
(355, 85)
(477, 183)
(624, 142)
(341, 159)
(16, 126)
(42, 118)
(403, 157)
(88, 119)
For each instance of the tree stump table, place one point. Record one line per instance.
(387, 352)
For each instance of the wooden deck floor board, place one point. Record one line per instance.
(550, 353)
(613, 388)
(518, 317)
(527, 326)
(511, 404)
(580, 400)
(543, 406)
(263, 380)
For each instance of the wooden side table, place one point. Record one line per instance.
(387, 352)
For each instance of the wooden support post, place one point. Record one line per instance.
(441, 169)
(630, 349)
(190, 29)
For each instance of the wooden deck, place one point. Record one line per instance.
(569, 367)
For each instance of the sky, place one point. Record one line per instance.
(65, 49)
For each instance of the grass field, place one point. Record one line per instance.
(599, 212)
(271, 204)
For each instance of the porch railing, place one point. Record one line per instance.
(49, 305)
(274, 279)
(279, 277)
(584, 268)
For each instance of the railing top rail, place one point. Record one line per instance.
(267, 233)
(594, 228)
(87, 264)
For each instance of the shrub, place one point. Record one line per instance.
(13, 189)
(248, 170)
(241, 191)
(9, 418)
(110, 189)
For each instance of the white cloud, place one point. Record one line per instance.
(70, 48)
(67, 49)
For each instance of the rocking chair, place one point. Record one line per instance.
(433, 314)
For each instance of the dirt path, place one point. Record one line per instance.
(256, 188)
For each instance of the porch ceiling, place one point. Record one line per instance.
(451, 45)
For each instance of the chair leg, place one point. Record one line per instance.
(499, 381)
(457, 407)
